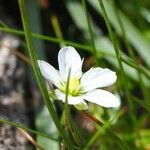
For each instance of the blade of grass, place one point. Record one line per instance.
(42, 86)
(27, 129)
(138, 67)
(77, 45)
(47, 38)
(55, 40)
(123, 77)
(35, 26)
(90, 31)
(57, 30)
(130, 50)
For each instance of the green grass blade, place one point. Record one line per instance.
(27, 129)
(123, 77)
(90, 31)
(103, 51)
(130, 50)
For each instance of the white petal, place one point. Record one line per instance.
(72, 100)
(49, 72)
(68, 58)
(97, 77)
(103, 98)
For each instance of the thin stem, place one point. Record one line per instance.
(88, 115)
(68, 119)
(140, 68)
(42, 86)
(123, 77)
(47, 38)
(77, 45)
(128, 46)
(57, 29)
(55, 40)
(90, 31)
(27, 129)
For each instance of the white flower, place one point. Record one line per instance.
(81, 86)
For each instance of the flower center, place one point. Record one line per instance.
(74, 87)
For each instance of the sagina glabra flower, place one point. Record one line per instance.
(82, 86)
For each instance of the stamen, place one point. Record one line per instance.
(74, 87)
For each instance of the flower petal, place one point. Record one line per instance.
(68, 58)
(49, 72)
(103, 98)
(72, 100)
(97, 77)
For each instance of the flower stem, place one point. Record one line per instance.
(27, 129)
(68, 120)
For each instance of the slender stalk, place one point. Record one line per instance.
(67, 108)
(27, 129)
(77, 45)
(138, 67)
(88, 115)
(118, 55)
(90, 31)
(130, 50)
(55, 40)
(47, 38)
(57, 29)
(42, 86)
(68, 120)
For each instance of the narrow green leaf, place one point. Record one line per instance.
(27, 129)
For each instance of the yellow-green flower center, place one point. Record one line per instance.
(74, 87)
